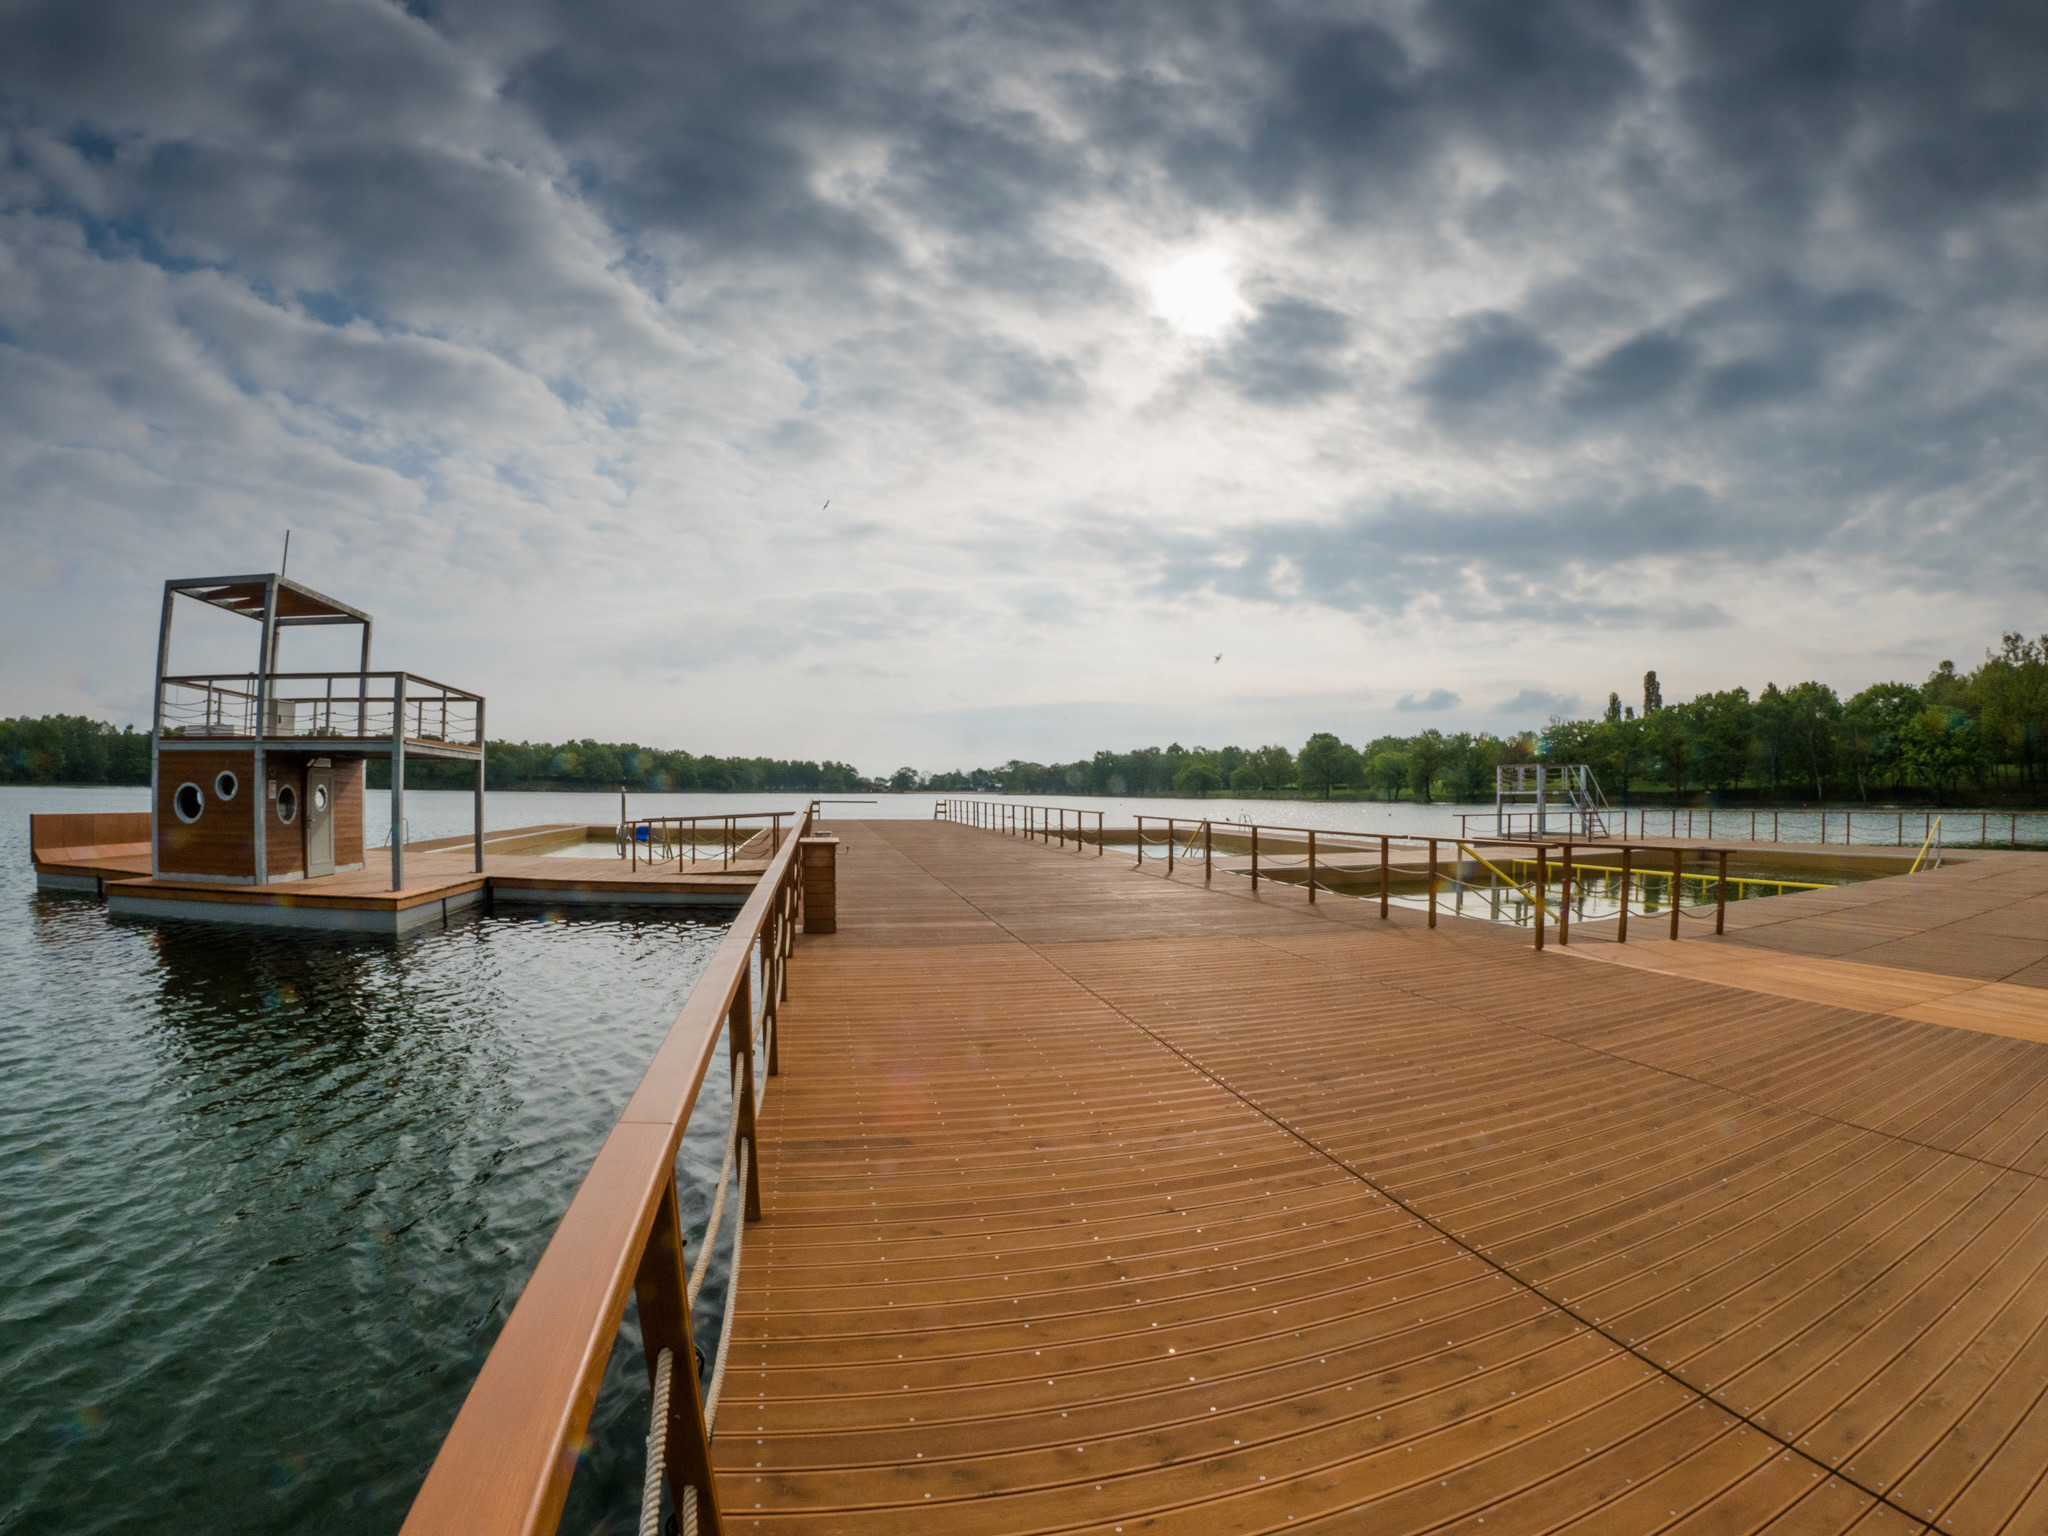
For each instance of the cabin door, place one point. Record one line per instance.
(319, 822)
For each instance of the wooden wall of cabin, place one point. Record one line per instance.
(285, 842)
(348, 813)
(222, 842)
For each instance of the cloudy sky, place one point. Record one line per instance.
(1433, 362)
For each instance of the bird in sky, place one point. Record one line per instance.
(1219, 657)
(826, 508)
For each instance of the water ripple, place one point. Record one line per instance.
(270, 1196)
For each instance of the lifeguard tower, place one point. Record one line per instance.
(257, 777)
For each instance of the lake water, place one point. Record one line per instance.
(268, 1197)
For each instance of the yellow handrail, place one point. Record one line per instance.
(1931, 834)
(1511, 880)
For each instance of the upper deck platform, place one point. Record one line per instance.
(1094, 1200)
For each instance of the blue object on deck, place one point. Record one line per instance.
(640, 834)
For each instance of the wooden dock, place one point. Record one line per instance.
(1098, 1201)
(101, 854)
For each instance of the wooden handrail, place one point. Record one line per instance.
(505, 1466)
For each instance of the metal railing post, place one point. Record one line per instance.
(1721, 898)
(1432, 882)
(1542, 887)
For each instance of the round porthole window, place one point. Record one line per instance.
(287, 804)
(225, 785)
(189, 803)
(319, 799)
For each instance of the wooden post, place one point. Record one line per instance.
(1385, 872)
(739, 1028)
(1542, 882)
(1141, 843)
(1564, 896)
(1255, 858)
(1677, 871)
(1621, 937)
(1169, 845)
(819, 857)
(1311, 866)
(1432, 882)
(1208, 852)
(664, 1307)
(1721, 895)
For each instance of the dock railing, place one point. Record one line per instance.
(1315, 859)
(342, 707)
(682, 840)
(1864, 829)
(505, 1466)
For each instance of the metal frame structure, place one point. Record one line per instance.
(278, 603)
(1541, 793)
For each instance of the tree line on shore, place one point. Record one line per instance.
(71, 749)
(1987, 728)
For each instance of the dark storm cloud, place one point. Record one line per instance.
(1550, 299)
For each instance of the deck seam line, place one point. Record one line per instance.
(1403, 1205)
(1565, 1307)
(1481, 1010)
(1269, 942)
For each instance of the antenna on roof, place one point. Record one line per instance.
(285, 564)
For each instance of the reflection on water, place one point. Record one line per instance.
(1506, 890)
(269, 1197)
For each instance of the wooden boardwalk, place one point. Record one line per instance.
(1099, 1202)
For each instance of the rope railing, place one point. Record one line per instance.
(505, 1466)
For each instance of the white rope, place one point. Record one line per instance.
(732, 1292)
(710, 1241)
(657, 1446)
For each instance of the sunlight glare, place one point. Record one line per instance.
(1196, 296)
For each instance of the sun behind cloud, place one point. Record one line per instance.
(1196, 296)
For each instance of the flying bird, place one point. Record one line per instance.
(1219, 657)
(826, 508)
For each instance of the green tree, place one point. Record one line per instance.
(1719, 725)
(2009, 695)
(1942, 746)
(1874, 733)
(903, 780)
(1813, 721)
(1197, 777)
(1246, 781)
(1276, 766)
(1325, 763)
(1427, 751)
(1387, 772)
(1771, 725)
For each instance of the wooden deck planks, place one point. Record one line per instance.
(1097, 1201)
